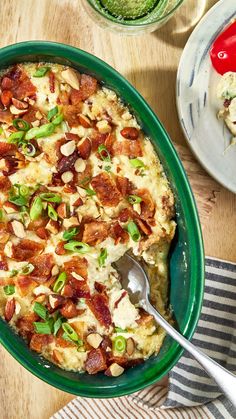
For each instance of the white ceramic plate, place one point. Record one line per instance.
(196, 98)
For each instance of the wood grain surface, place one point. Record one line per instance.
(150, 63)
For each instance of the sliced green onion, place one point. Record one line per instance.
(90, 192)
(29, 149)
(24, 190)
(104, 153)
(36, 209)
(79, 247)
(9, 289)
(51, 197)
(85, 181)
(137, 163)
(1, 214)
(134, 199)
(38, 132)
(13, 272)
(52, 113)
(1, 130)
(27, 269)
(102, 257)
(133, 231)
(120, 344)
(70, 332)
(71, 232)
(58, 119)
(119, 330)
(41, 71)
(57, 325)
(40, 310)
(18, 200)
(60, 282)
(52, 213)
(42, 328)
(21, 124)
(15, 137)
(107, 168)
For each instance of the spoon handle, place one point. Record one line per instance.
(225, 380)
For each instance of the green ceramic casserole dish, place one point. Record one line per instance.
(186, 262)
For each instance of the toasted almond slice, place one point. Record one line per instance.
(4, 237)
(55, 270)
(114, 370)
(17, 307)
(41, 289)
(80, 165)
(52, 226)
(19, 104)
(68, 148)
(130, 346)
(70, 222)
(84, 121)
(137, 208)
(35, 123)
(55, 300)
(67, 177)
(18, 229)
(71, 77)
(9, 207)
(62, 210)
(76, 276)
(8, 249)
(16, 111)
(57, 356)
(94, 340)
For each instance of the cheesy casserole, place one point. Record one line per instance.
(80, 185)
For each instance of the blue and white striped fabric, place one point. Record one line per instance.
(191, 394)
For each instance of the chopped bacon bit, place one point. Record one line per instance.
(26, 285)
(38, 341)
(25, 325)
(51, 82)
(34, 225)
(67, 291)
(56, 179)
(84, 148)
(6, 97)
(99, 287)
(96, 361)
(42, 267)
(106, 344)
(30, 115)
(147, 204)
(70, 136)
(123, 185)
(71, 114)
(66, 163)
(69, 310)
(84, 178)
(78, 265)
(6, 117)
(95, 232)
(120, 360)
(69, 188)
(119, 234)
(75, 97)
(26, 249)
(146, 229)
(60, 248)
(98, 139)
(24, 89)
(7, 149)
(124, 215)
(124, 293)
(88, 86)
(129, 148)
(130, 133)
(80, 288)
(109, 141)
(145, 318)
(106, 190)
(64, 98)
(3, 264)
(9, 309)
(62, 210)
(19, 104)
(98, 304)
(6, 83)
(42, 233)
(5, 184)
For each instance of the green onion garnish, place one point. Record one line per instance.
(90, 192)
(51, 197)
(1, 214)
(13, 272)
(102, 257)
(29, 149)
(38, 132)
(70, 332)
(1, 130)
(104, 153)
(18, 200)
(36, 209)
(27, 269)
(52, 113)
(71, 232)
(58, 119)
(107, 168)
(9, 289)
(120, 344)
(133, 231)
(134, 199)
(40, 310)
(41, 71)
(60, 282)
(52, 213)
(137, 163)
(15, 137)
(119, 330)
(21, 124)
(24, 190)
(57, 325)
(79, 247)
(42, 328)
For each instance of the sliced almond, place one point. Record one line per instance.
(137, 208)
(52, 226)
(76, 276)
(35, 123)
(3, 165)
(55, 270)
(40, 298)
(70, 222)
(38, 115)
(62, 210)
(57, 356)
(67, 177)
(103, 127)
(8, 249)
(17, 307)
(71, 77)
(130, 346)
(18, 229)
(19, 104)
(41, 289)
(16, 111)
(68, 148)
(84, 121)
(55, 300)
(94, 340)
(9, 207)
(80, 165)
(126, 116)
(4, 237)
(114, 370)
(82, 192)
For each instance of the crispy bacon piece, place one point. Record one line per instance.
(51, 82)
(88, 86)
(7, 149)
(106, 190)
(67, 291)
(63, 343)
(78, 265)
(97, 139)
(42, 233)
(19, 104)
(145, 318)
(25, 325)
(80, 288)
(147, 204)
(106, 344)
(119, 234)
(6, 117)
(125, 214)
(26, 249)
(143, 226)
(6, 83)
(6, 97)
(71, 114)
(124, 185)
(99, 287)
(98, 304)
(95, 232)
(129, 148)
(84, 148)
(66, 163)
(60, 248)
(34, 225)
(30, 115)
(64, 98)
(24, 89)
(69, 310)
(83, 178)
(96, 361)
(38, 341)
(42, 267)
(120, 360)
(9, 309)
(26, 285)
(5, 184)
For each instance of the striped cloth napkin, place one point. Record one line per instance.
(190, 394)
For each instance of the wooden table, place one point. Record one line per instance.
(150, 63)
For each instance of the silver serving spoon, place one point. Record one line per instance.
(135, 281)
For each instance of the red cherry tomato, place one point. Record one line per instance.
(223, 50)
